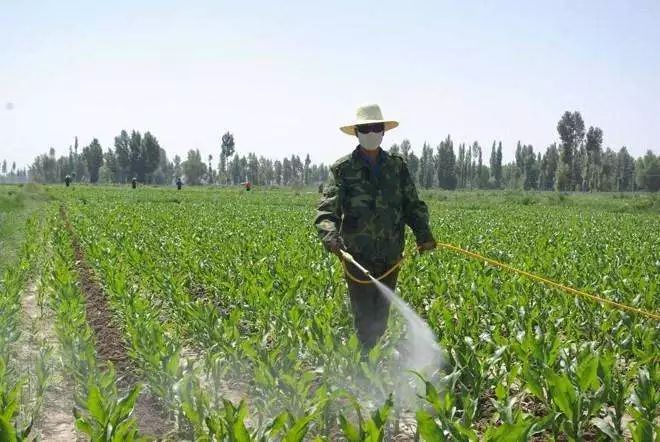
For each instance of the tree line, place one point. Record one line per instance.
(140, 156)
(12, 174)
(577, 163)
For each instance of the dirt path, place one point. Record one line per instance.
(110, 343)
(55, 421)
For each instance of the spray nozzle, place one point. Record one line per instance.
(348, 257)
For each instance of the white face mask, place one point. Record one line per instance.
(370, 141)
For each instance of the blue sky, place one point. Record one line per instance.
(283, 76)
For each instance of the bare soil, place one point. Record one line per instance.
(110, 344)
(55, 421)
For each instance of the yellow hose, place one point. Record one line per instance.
(369, 281)
(501, 265)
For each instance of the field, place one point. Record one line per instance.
(215, 314)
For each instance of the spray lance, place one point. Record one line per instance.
(349, 258)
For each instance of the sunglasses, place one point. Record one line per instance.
(366, 128)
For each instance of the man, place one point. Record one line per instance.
(369, 199)
(134, 183)
(67, 180)
(179, 183)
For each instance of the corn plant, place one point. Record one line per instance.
(105, 417)
(21, 392)
(213, 289)
(646, 404)
(99, 412)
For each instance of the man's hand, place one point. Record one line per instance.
(426, 246)
(335, 245)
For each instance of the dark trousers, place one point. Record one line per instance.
(371, 309)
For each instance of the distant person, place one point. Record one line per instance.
(134, 183)
(178, 183)
(248, 186)
(67, 180)
(366, 204)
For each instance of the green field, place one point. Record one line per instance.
(224, 319)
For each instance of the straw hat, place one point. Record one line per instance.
(368, 114)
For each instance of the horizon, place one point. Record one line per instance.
(283, 78)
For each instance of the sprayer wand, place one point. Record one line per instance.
(348, 257)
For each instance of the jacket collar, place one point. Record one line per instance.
(360, 160)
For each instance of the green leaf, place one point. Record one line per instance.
(82, 425)
(127, 403)
(381, 415)
(12, 400)
(239, 432)
(350, 431)
(433, 397)
(95, 405)
(278, 424)
(172, 366)
(372, 432)
(563, 394)
(428, 428)
(515, 432)
(606, 427)
(192, 415)
(554, 351)
(532, 384)
(587, 373)
(641, 430)
(7, 432)
(500, 391)
(461, 430)
(125, 432)
(299, 429)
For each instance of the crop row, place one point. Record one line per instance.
(228, 296)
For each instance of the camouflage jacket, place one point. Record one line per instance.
(369, 206)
